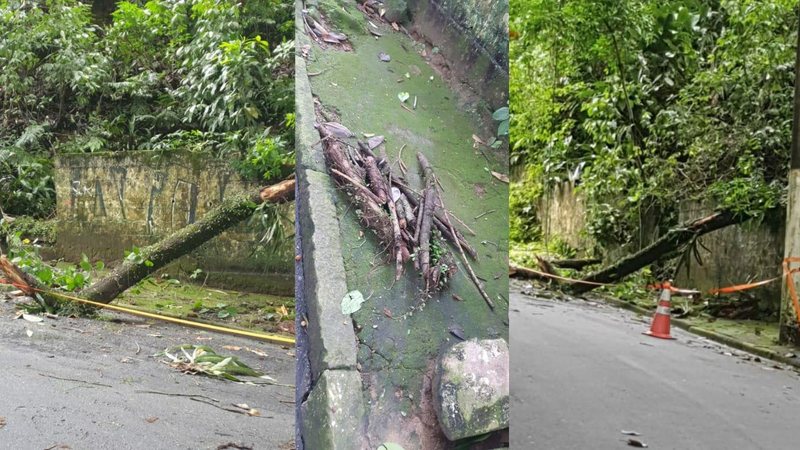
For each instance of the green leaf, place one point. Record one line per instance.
(352, 302)
(502, 129)
(501, 114)
(100, 265)
(390, 446)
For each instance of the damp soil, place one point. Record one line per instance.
(400, 331)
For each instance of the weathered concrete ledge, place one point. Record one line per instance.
(333, 413)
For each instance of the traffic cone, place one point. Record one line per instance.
(659, 327)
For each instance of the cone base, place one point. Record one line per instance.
(658, 335)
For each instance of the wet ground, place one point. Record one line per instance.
(399, 330)
(582, 373)
(88, 383)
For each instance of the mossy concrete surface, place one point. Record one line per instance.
(172, 297)
(108, 203)
(473, 37)
(399, 331)
(329, 411)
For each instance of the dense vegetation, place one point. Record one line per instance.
(646, 103)
(211, 76)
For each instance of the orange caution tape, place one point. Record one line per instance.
(789, 273)
(741, 287)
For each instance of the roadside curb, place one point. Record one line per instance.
(714, 336)
(331, 415)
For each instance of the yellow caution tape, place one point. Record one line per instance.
(274, 338)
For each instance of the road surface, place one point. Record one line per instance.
(582, 372)
(80, 384)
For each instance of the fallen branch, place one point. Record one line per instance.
(577, 264)
(671, 241)
(75, 380)
(464, 258)
(156, 256)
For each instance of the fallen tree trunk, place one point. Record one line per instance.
(156, 256)
(577, 264)
(671, 241)
(183, 241)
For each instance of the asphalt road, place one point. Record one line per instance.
(582, 372)
(80, 384)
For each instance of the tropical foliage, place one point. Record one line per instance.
(647, 103)
(212, 76)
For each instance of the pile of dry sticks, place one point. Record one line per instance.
(405, 221)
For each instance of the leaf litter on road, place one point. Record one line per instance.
(636, 443)
(203, 360)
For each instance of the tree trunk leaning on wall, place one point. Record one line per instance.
(158, 255)
(183, 241)
(666, 244)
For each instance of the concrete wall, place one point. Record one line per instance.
(562, 213)
(107, 203)
(735, 254)
(473, 37)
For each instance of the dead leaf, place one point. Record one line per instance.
(156, 335)
(500, 176)
(630, 433)
(384, 57)
(256, 351)
(2, 421)
(636, 443)
(374, 142)
(388, 313)
(457, 298)
(477, 140)
(28, 332)
(283, 310)
(32, 318)
(201, 338)
(244, 406)
(338, 130)
(287, 326)
(396, 28)
(231, 347)
(457, 331)
(151, 419)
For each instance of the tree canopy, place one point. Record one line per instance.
(648, 103)
(213, 76)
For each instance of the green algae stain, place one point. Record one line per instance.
(364, 92)
(188, 301)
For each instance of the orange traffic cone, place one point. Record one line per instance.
(659, 327)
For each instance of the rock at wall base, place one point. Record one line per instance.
(471, 388)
